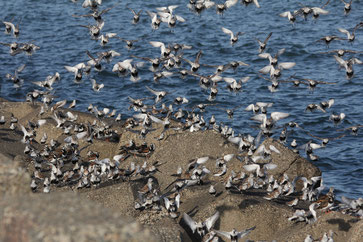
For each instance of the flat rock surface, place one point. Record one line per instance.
(64, 217)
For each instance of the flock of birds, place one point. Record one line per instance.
(60, 163)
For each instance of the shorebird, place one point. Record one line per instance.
(136, 15)
(48, 83)
(233, 37)
(262, 45)
(108, 55)
(199, 6)
(350, 36)
(95, 86)
(224, 6)
(235, 235)
(155, 62)
(94, 30)
(268, 123)
(14, 48)
(309, 217)
(258, 107)
(129, 43)
(170, 18)
(233, 85)
(18, 82)
(105, 38)
(165, 52)
(275, 71)
(337, 118)
(260, 169)
(201, 228)
(93, 4)
(11, 27)
(329, 38)
(273, 60)
(247, 2)
(77, 70)
(317, 11)
(291, 17)
(194, 66)
(95, 62)
(341, 52)
(207, 81)
(28, 48)
(97, 15)
(158, 94)
(347, 6)
(348, 65)
(155, 21)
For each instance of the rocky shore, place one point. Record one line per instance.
(114, 207)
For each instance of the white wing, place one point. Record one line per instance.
(251, 167)
(227, 31)
(269, 166)
(265, 55)
(266, 69)
(190, 222)
(211, 221)
(230, 3)
(278, 115)
(286, 65)
(260, 117)
(228, 157)
(202, 160)
(229, 80)
(317, 10)
(274, 149)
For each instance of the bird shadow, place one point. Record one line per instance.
(343, 225)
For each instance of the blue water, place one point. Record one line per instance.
(49, 24)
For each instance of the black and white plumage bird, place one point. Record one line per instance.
(235, 235)
(200, 228)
